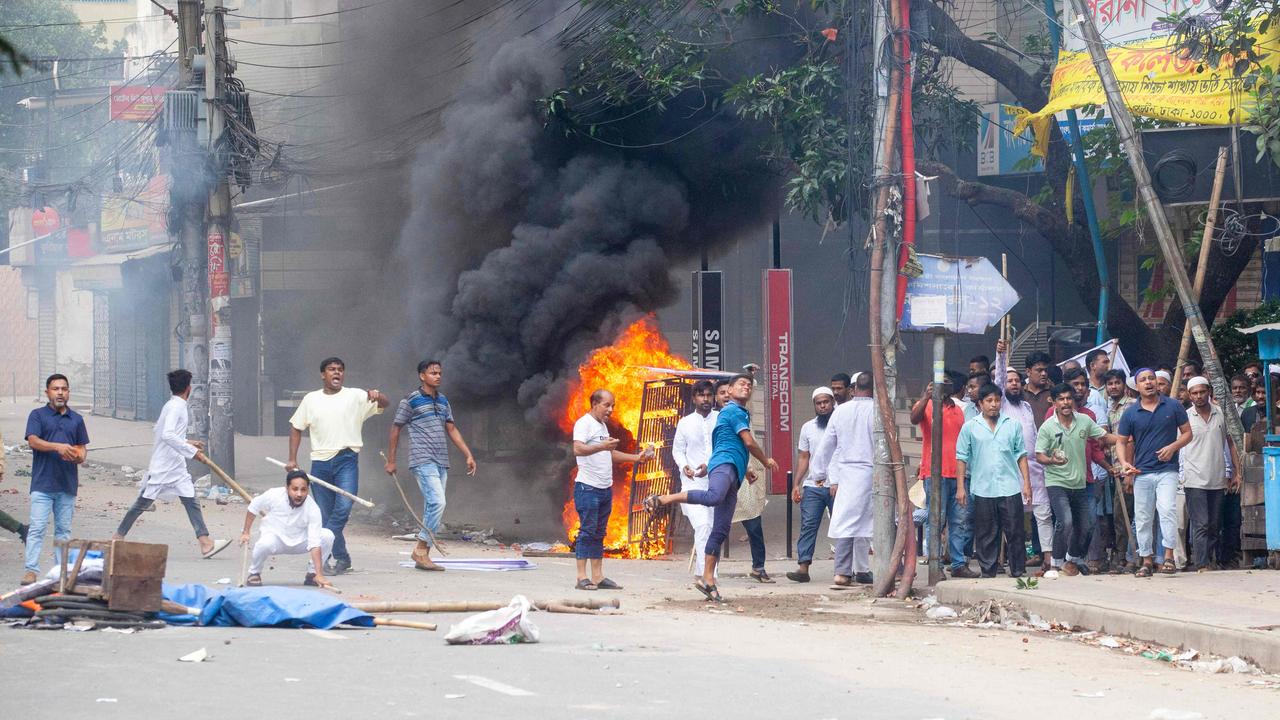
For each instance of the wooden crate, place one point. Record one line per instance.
(132, 573)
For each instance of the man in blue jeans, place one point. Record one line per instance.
(1153, 431)
(57, 437)
(813, 495)
(954, 513)
(731, 444)
(595, 452)
(334, 416)
(427, 413)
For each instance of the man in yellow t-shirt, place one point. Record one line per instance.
(334, 415)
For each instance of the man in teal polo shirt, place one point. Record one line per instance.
(991, 449)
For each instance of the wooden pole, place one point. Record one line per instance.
(396, 479)
(1206, 240)
(1122, 119)
(1004, 321)
(395, 622)
(414, 606)
(327, 485)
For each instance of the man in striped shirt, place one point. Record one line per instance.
(429, 418)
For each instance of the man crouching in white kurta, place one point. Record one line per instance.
(167, 475)
(691, 448)
(845, 455)
(290, 526)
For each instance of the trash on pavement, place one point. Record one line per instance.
(195, 656)
(941, 612)
(505, 626)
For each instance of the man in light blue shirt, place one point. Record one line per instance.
(991, 449)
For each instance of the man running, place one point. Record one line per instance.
(427, 413)
(167, 475)
(334, 415)
(291, 525)
(731, 444)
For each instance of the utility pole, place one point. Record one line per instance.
(1132, 145)
(218, 234)
(195, 345)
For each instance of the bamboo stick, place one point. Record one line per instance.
(327, 485)
(224, 476)
(396, 479)
(1206, 239)
(391, 606)
(395, 622)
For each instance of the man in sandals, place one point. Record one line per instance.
(844, 456)
(167, 476)
(731, 444)
(1153, 430)
(691, 448)
(596, 452)
(291, 525)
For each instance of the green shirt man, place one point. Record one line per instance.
(1070, 439)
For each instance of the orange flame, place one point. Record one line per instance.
(618, 369)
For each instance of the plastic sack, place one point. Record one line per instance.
(504, 626)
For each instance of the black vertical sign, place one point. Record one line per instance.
(708, 319)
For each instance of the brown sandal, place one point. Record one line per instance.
(1143, 571)
(1169, 567)
(254, 580)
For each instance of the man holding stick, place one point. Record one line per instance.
(291, 525)
(167, 476)
(427, 413)
(334, 415)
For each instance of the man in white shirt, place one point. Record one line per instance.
(812, 494)
(291, 525)
(334, 415)
(691, 448)
(167, 475)
(596, 452)
(845, 457)
(1206, 474)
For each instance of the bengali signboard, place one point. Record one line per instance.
(779, 344)
(132, 221)
(136, 103)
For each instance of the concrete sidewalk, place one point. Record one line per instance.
(1224, 613)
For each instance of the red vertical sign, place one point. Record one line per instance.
(219, 279)
(779, 361)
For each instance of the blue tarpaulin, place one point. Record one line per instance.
(267, 606)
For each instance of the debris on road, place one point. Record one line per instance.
(505, 626)
(195, 656)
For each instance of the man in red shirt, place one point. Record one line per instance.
(955, 506)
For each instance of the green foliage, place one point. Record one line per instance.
(1027, 583)
(1235, 349)
(690, 60)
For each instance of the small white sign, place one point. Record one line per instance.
(929, 310)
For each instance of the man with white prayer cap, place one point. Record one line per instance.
(1206, 464)
(846, 456)
(812, 494)
(1164, 382)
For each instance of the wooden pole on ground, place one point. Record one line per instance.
(225, 477)
(473, 606)
(1206, 239)
(395, 622)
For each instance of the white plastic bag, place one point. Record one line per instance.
(504, 626)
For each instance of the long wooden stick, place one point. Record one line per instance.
(394, 622)
(226, 478)
(1004, 321)
(244, 565)
(396, 479)
(1206, 239)
(469, 606)
(327, 485)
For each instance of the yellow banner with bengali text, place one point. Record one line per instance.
(1156, 83)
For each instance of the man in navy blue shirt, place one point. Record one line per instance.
(1154, 429)
(731, 445)
(57, 437)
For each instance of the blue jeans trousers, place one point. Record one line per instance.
(432, 480)
(721, 495)
(755, 538)
(63, 508)
(813, 503)
(342, 470)
(956, 517)
(594, 505)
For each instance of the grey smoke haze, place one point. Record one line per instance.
(540, 248)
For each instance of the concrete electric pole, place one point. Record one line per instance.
(221, 431)
(1169, 249)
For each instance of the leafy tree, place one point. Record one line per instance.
(789, 67)
(38, 33)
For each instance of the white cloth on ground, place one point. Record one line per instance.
(167, 477)
(269, 545)
(845, 455)
(293, 525)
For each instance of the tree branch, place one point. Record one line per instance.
(952, 42)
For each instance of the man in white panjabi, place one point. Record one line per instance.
(691, 448)
(845, 455)
(291, 525)
(167, 476)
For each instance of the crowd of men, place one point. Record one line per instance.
(297, 518)
(1115, 475)
(1109, 472)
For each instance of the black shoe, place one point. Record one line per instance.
(988, 575)
(798, 577)
(862, 578)
(22, 533)
(963, 572)
(1000, 570)
(341, 566)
